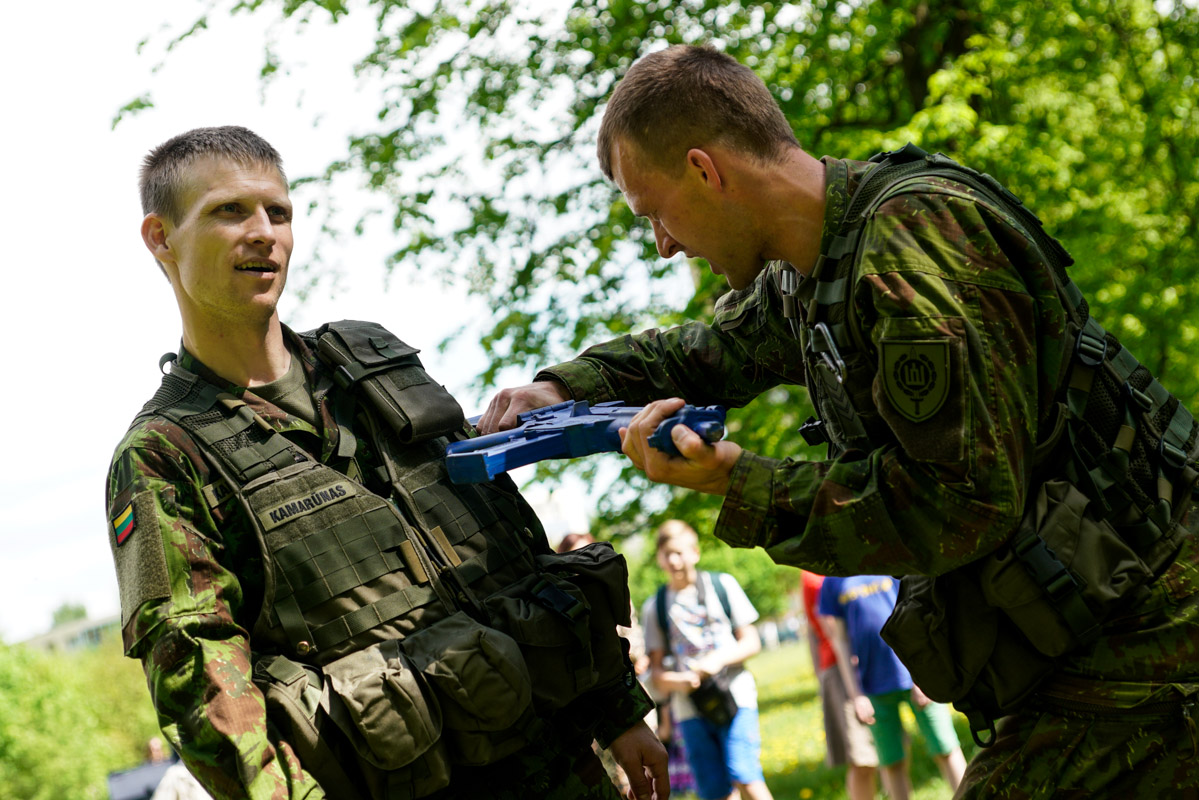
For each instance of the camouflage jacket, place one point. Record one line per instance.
(193, 637)
(935, 494)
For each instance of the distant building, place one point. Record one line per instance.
(80, 634)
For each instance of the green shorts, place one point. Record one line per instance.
(934, 721)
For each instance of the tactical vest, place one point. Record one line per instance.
(1114, 472)
(401, 635)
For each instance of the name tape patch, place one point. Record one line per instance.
(325, 495)
(216, 493)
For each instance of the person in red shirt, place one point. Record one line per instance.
(849, 741)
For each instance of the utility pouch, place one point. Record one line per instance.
(481, 682)
(297, 703)
(390, 375)
(1064, 573)
(960, 650)
(384, 707)
(550, 620)
(603, 576)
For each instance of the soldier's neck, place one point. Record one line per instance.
(793, 202)
(244, 353)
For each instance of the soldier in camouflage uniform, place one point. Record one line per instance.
(207, 590)
(940, 474)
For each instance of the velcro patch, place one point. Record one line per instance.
(122, 525)
(323, 496)
(916, 375)
(216, 493)
(142, 562)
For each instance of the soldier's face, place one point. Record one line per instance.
(687, 215)
(227, 256)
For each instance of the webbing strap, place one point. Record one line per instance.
(830, 292)
(363, 619)
(365, 567)
(249, 462)
(574, 613)
(1058, 583)
(292, 620)
(499, 553)
(319, 544)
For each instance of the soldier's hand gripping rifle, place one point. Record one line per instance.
(568, 430)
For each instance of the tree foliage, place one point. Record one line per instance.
(69, 720)
(68, 612)
(1085, 108)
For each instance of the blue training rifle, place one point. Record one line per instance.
(568, 430)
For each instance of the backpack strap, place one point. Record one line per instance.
(660, 603)
(721, 594)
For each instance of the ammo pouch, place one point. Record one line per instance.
(391, 378)
(1087, 570)
(562, 617)
(961, 650)
(454, 693)
(1045, 594)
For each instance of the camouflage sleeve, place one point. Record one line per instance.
(181, 611)
(744, 352)
(934, 283)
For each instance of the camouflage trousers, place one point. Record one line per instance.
(551, 772)
(1140, 741)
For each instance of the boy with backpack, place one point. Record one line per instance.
(698, 632)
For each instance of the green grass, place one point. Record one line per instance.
(793, 733)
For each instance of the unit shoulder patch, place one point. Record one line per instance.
(915, 375)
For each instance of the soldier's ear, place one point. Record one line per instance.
(155, 237)
(704, 167)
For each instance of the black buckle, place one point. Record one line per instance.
(343, 377)
(1173, 457)
(909, 152)
(1137, 397)
(1091, 350)
(814, 431)
(1045, 567)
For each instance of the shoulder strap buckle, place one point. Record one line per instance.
(1090, 349)
(909, 152)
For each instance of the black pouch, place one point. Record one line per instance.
(550, 620)
(713, 699)
(961, 650)
(602, 575)
(1103, 567)
(390, 375)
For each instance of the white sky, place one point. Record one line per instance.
(87, 314)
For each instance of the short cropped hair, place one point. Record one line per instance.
(689, 96)
(675, 529)
(161, 178)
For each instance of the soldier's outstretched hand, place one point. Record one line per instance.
(502, 410)
(643, 758)
(701, 466)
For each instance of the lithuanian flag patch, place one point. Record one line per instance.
(122, 524)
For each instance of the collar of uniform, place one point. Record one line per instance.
(841, 179)
(279, 419)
